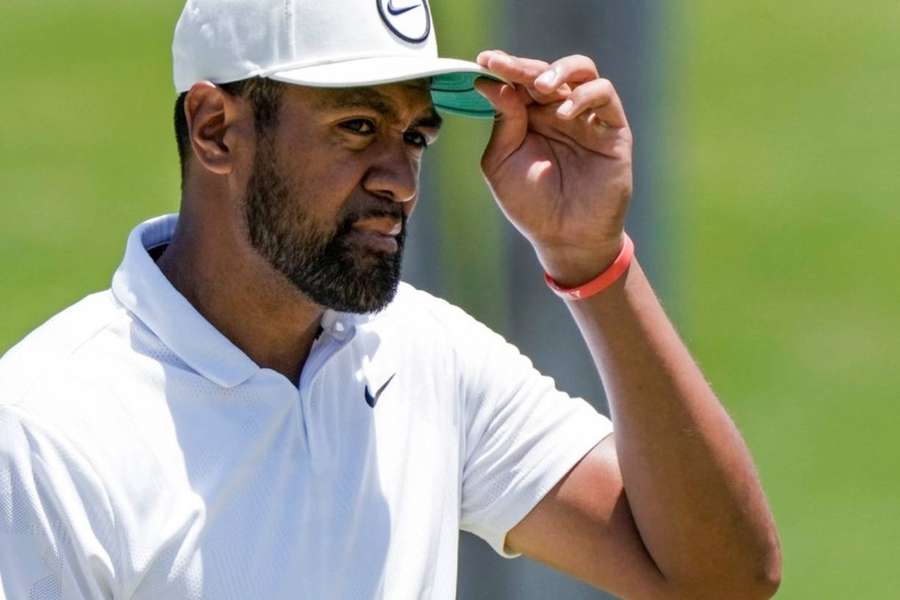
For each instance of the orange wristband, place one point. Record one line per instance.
(603, 281)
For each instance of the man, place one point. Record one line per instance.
(258, 409)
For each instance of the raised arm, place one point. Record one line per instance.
(670, 506)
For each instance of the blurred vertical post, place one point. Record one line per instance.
(456, 236)
(461, 248)
(622, 36)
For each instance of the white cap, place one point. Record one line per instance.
(321, 43)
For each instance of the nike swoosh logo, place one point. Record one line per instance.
(373, 400)
(399, 11)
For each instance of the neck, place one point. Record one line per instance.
(241, 295)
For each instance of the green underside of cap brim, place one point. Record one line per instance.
(455, 93)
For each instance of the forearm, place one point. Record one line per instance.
(688, 476)
(559, 165)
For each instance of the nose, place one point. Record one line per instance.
(394, 174)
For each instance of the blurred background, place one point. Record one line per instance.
(766, 211)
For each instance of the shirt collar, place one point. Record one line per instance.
(142, 288)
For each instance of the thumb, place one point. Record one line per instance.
(510, 124)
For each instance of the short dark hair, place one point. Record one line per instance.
(264, 95)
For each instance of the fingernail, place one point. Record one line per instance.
(547, 78)
(566, 107)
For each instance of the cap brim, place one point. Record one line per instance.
(452, 80)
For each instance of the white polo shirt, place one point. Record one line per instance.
(143, 455)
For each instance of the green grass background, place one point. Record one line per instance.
(787, 148)
(783, 140)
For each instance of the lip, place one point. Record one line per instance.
(375, 240)
(384, 226)
(378, 233)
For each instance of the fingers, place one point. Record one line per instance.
(589, 92)
(569, 70)
(597, 101)
(516, 70)
(510, 125)
(523, 72)
(573, 100)
(586, 132)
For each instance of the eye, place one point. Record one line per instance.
(416, 139)
(359, 126)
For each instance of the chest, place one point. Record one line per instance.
(346, 486)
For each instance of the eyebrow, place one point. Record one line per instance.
(432, 121)
(375, 100)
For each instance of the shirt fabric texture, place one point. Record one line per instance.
(144, 456)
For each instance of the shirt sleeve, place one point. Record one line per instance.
(46, 539)
(522, 435)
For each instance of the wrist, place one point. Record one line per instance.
(601, 282)
(572, 266)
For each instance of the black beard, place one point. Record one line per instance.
(323, 265)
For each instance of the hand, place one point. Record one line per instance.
(559, 160)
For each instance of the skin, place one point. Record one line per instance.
(350, 147)
(670, 505)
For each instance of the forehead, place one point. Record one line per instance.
(403, 100)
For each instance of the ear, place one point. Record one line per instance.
(214, 124)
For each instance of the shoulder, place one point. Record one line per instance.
(417, 312)
(79, 344)
(427, 328)
(79, 392)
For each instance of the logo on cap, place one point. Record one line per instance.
(410, 20)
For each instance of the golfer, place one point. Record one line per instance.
(259, 408)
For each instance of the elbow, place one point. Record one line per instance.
(762, 584)
(759, 573)
(768, 579)
(767, 567)
(753, 578)
(762, 587)
(764, 562)
(769, 588)
(762, 576)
